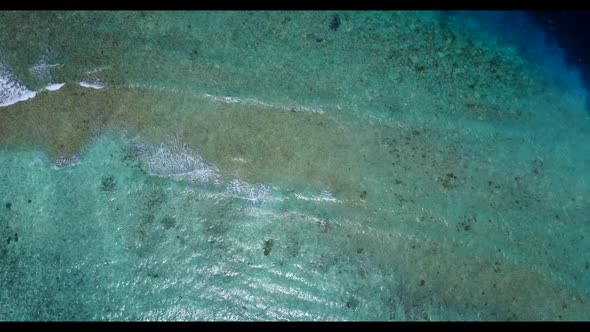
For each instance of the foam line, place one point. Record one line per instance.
(91, 85)
(11, 91)
(54, 86)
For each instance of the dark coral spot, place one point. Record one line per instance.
(465, 225)
(286, 20)
(352, 303)
(168, 222)
(107, 183)
(268, 246)
(325, 225)
(422, 282)
(497, 267)
(450, 180)
(364, 194)
(360, 250)
(537, 166)
(12, 238)
(335, 22)
(8, 205)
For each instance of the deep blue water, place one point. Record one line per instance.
(570, 29)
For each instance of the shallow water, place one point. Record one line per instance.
(289, 166)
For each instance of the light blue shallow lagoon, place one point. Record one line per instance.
(309, 165)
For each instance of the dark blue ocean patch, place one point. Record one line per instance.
(570, 30)
(553, 41)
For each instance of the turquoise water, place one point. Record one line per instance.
(289, 166)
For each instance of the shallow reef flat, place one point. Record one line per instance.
(289, 166)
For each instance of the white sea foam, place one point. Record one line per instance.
(95, 85)
(255, 193)
(42, 69)
(11, 91)
(65, 162)
(54, 86)
(324, 196)
(175, 160)
(178, 161)
(93, 80)
(241, 160)
(13, 97)
(258, 102)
